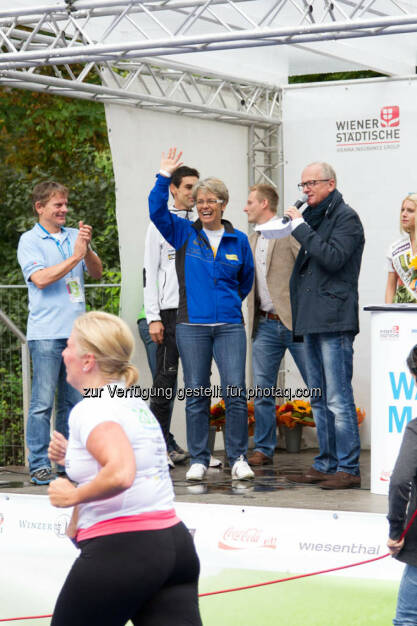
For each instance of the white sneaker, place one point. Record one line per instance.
(214, 462)
(241, 469)
(197, 471)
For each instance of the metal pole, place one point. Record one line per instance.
(26, 389)
(26, 386)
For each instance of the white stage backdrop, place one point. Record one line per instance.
(368, 132)
(137, 139)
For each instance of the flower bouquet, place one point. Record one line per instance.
(218, 416)
(292, 413)
(299, 412)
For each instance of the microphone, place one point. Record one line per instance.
(298, 204)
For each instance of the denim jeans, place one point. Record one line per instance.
(151, 349)
(49, 374)
(150, 345)
(329, 363)
(271, 340)
(197, 345)
(406, 614)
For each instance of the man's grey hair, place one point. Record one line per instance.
(326, 170)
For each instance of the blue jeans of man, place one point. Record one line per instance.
(49, 375)
(197, 345)
(151, 349)
(269, 345)
(406, 614)
(329, 362)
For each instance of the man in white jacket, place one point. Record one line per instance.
(161, 303)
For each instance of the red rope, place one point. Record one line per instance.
(283, 580)
(13, 619)
(269, 582)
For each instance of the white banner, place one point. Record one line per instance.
(36, 555)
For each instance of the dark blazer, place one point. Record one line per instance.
(324, 281)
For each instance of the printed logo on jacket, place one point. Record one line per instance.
(379, 131)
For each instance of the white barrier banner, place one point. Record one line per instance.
(36, 555)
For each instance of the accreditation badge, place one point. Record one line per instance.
(74, 288)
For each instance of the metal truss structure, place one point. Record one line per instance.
(116, 51)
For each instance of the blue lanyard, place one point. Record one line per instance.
(58, 243)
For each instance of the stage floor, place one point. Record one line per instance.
(270, 487)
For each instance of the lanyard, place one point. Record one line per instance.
(58, 243)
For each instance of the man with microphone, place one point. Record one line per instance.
(269, 316)
(324, 302)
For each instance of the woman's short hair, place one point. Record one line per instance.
(412, 361)
(111, 341)
(214, 186)
(412, 197)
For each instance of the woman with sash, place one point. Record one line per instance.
(402, 261)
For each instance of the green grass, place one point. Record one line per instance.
(316, 601)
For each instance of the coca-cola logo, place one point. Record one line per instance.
(246, 538)
(384, 476)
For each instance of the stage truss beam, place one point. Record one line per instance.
(84, 31)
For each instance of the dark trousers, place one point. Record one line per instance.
(165, 379)
(149, 577)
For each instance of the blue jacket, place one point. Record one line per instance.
(211, 289)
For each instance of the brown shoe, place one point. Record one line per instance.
(342, 480)
(259, 458)
(310, 477)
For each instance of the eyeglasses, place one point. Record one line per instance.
(211, 202)
(311, 183)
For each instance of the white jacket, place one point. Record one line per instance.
(160, 282)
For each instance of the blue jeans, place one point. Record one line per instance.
(329, 362)
(151, 348)
(49, 374)
(406, 614)
(197, 346)
(271, 340)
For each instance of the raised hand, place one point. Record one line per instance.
(171, 160)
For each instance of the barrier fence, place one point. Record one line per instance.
(15, 361)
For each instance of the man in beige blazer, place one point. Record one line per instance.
(269, 318)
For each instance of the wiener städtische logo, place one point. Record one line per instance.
(380, 131)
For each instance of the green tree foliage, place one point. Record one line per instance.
(332, 76)
(45, 137)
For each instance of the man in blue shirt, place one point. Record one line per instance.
(53, 260)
